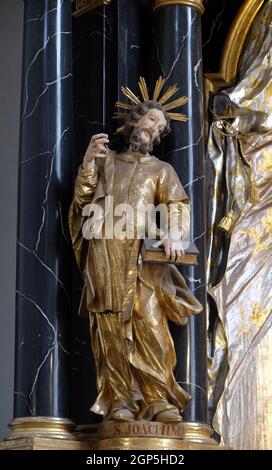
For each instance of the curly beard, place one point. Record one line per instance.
(136, 143)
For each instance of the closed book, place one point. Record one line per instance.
(158, 255)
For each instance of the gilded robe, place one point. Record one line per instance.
(129, 304)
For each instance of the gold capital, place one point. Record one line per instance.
(192, 3)
(82, 6)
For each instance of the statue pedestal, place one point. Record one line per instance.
(151, 435)
(43, 434)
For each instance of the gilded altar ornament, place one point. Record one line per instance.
(198, 4)
(127, 301)
(166, 107)
(79, 7)
(227, 222)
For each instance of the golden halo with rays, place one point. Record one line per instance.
(163, 100)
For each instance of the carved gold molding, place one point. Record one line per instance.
(60, 428)
(233, 46)
(151, 443)
(82, 6)
(192, 3)
(198, 433)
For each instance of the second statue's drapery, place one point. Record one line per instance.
(240, 152)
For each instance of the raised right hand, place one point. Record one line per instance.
(96, 148)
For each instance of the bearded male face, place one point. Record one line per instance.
(145, 127)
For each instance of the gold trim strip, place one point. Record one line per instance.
(83, 6)
(151, 443)
(198, 432)
(192, 3)
(42, 425)
(236, 38)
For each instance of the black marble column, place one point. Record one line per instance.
(132, 22)
(178, 59)
(43, 253)
(110, 47)
(93, 48)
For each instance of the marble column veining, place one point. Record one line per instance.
(178, 58)
(133, 47)
(93, 51)
(43, 303)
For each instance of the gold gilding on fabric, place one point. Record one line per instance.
(130, 304)
(240, 363)
(244, 301)
(192, 3)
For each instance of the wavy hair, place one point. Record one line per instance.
(138, 111)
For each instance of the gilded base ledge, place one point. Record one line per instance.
(44, 443)
(43, 433)
(199, 433)
(46, 433)
(150, 435)
(42, 426)
(150, 443)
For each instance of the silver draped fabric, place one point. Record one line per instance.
(240, 262)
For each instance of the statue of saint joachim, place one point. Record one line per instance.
(129, 302)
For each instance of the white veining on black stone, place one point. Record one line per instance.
(216, 25)
(62, 224)
(196, 69)
(85, 117)
(185, 147)
(40, 18)
(30, 159)
(79, 341)
(181, 47)
(47, 187)
(24, 247)
(192, 279)
(194, 180)
(24, 296)
(198, 287)
(158, 52)
(39, 369)
(93, 33)
(52, 272)
(54, 339)
(200, 236)
(185, 36)
(46, 267)
(47, 86)
(33, 62)
(26, 401)
(63, 348)
(194, 385)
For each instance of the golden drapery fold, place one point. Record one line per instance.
(240, 269)
(129, 303)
